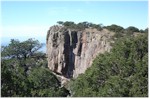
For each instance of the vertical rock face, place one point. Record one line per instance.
(71, 52)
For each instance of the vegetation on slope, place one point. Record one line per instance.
(121, 73)
(118, 30)
(24, 72)
(81, 25)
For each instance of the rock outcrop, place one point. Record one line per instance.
(70, 52)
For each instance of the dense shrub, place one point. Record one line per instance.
(121, 73)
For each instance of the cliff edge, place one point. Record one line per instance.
(70, 52)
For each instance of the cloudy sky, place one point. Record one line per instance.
(31, 19)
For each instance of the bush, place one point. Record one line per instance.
(115, 28)
(121, 73)
(24, 73)
(45, 84)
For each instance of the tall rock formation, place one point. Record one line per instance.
(70, 52)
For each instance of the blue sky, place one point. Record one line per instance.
(32, 19)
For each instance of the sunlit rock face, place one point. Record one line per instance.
(70, 52)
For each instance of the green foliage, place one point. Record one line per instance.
(141, 31)
(81, 25)
(119, 30)
(121, 73)
(17, 49)
(24, 73)
(13, 80)
(24, 53)
(44, 83)
(146, 30)
(41, 77)
(115, 28)
(69, 24)
(131, 29)
(60, 22)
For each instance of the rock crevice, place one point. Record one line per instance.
(71, 52)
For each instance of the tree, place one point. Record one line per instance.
(13, 80)
(45, 84)
(24, 72)
(39, 83)
(60, 22)
(115, 28)
(131, 29)
(22, 52)
(18, 50)
(142, 31)
(146, 30)
(81, 25)
(69, 24)
(121, 73)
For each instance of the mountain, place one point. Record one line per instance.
(70, 51)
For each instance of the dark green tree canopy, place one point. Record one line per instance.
(121, 73)
(60, 22)
(132, 29)
(23, 53)
(80, 26)
(115, 28)
(44, 84)
(25, 74)
(17, 49)
(146, 30)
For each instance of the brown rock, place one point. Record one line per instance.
(71, 52)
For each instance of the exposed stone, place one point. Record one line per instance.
(71, 52)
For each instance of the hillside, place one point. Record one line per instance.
(71, 48)
(82, 60)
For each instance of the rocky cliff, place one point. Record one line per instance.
(70, 52)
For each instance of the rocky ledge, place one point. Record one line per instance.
(70, 52)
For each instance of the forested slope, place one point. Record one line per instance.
(121, 73)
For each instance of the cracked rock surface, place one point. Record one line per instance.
(70, 52)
